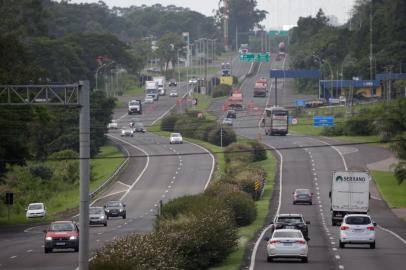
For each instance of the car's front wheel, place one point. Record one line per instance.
(76, 249)
(125, 216)
(105, 224)
(372, 245)
(269, 259)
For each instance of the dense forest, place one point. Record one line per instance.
(344, 51)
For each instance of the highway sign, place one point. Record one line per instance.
(300, 103)
(306, 73)
(247, 57)
(278, 33)
(323, 121)
(263, 57)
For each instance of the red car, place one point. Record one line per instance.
(61, 235)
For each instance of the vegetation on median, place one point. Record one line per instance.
(392, 192)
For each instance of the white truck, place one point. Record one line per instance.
(134, 106)
(349, 194)
(151, 89)
(161, 84)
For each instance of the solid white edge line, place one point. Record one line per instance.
(346, 168)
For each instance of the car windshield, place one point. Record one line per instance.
(62, 227)
(35, 207)
(96, 210)
(175, 135)
(133, 103)
(287, 234)
(358, 220)
(113, 204)
(302, 191)
(289, 219)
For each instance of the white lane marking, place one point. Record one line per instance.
(105, 196)
(121, 183)
(376, 198)
(346, 168)
(121, 117)
(254, 251)
(334, 249)
(341, 266)
(338, 257)
(163, 196)
(169, 187)
(174, 177)
(166, 191)
(172, 182)
(30, 250)
(13, 257)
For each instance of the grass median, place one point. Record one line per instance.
(391, 190)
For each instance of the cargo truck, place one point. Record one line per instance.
(260, 88)
(151, 89)
(161, 84)
(349, 194)
(235, 101)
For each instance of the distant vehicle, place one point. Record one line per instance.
(115, 209)
(36, 210)
(357, 229)
(127, 132)
(193, 80)
(149, 99)
(235, 101)
(291, 221)
(314, 103)
(260, 88)
(302, 195)
(243, 49)
(173, 93)
(282, 47)
(161, 84)
(226, 69)
(113, 124)
(97, 216)
(153, 69)
(287, 243)
(334, 101)
(175, 138)
(276, 121)
(151, 88)
(349, 194)
(342, 99)
(139, 127)
(228, 121)
(173, 82)
(134, 106)
(231, 114)
(61, 235)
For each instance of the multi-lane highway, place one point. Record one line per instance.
(156, 171)
(304, 164)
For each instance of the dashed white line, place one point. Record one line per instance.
(338, 257)
(341, 266)
(30, 250)
(13, 257)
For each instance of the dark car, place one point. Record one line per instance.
(115, 209)
(139, 127)
(231, 114)
(291, 221)
(172, 82)
(302, 195)
(61, 235)
(97, 216)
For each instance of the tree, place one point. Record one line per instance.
(168, 47)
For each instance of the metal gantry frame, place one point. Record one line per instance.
(77, 95)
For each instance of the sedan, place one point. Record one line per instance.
(149, 99)
(127, 132)
(287, 243)
(173, 93)
(172, 82)
(139, 127)
(193, 81)
(61, 235)
(302, 196)
(228, 121)
(357, 229)
(97, 216)
(175, 138)
(35, 210)
(113, 124)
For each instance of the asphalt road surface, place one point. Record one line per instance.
(156, 171)
(308, 162)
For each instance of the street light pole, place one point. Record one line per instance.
(97, 71)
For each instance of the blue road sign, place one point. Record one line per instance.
(300, 103)
(310, 74)
(323, 121)
(390, 76)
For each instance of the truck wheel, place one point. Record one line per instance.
(269, 259)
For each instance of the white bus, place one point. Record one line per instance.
(276, 121)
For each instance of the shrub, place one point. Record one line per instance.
(358, 126)
(227, 138)
(242, 206)
(246, 178)
(238, 152)
(258, 151)
(219, 189)
(333, 131)
(221, 90)
(168, 122)
(138, 252)
(186, 125)
(203, 130)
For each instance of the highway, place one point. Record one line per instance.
(156, 171)
(308, 162)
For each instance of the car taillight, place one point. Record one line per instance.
(343, 228)
(371, 228)
(275, 241)
(301, 242)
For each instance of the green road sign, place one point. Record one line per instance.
(247, 57)
(275, 33)
(263, 57)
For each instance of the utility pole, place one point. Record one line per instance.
(225, 25)
(236, 38)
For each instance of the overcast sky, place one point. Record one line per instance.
(281, 12)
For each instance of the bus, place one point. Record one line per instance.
(276, 121)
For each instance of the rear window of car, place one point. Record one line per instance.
(357, 220)
(290, 219)
(302, 191)
(284, 234)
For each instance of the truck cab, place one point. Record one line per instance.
(134, 106)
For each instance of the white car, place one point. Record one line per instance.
(173, 93)
(193, 81)
(286, 243)
(149, 99)
(113, 124)
(357, 229)
(125, 132)
(175, 138)
(228, 121)
(36, 210)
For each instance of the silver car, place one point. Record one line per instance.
(97, 216)
(287, 243)
(357, 229)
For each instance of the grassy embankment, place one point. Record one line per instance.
(102, 168)
(392, 192)
(246, 233)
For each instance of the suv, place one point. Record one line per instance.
(231, 114)
(134, 106)
(36, 210)
(61, 235)
(357, 229)
(115, 209)
(291, 221)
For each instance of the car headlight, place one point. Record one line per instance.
(121, 210)
(48, 238)
(107, 210)
(72, 237)
(102, 217)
